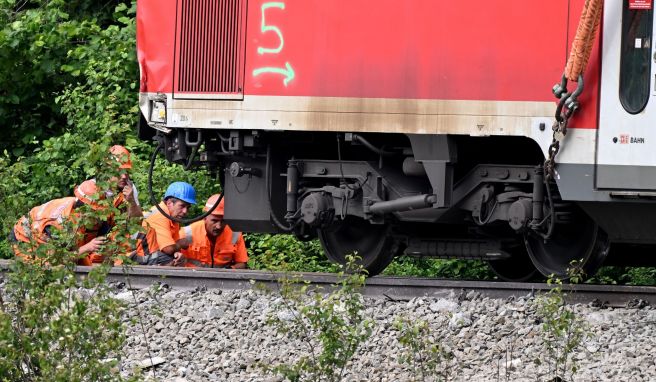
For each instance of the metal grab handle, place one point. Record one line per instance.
(199, 138)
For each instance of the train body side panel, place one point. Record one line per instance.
(422, 49)
(491, 51)
(497, 50)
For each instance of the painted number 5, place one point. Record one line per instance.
(266, 28)
(287, 71)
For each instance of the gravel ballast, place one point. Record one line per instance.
(220, 335)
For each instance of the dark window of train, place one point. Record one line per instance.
(635, 66)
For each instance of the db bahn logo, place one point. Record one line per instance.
(626, 139)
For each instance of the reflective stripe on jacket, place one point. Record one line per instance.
(146, 242)
(52, 213)
(35, 227)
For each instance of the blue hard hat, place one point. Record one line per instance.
(181, 190)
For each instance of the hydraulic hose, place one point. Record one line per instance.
(156, 204)
(194, 151)
(371, 147)
(552, 209)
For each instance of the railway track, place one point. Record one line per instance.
(393, 288)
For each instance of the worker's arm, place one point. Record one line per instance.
(92, 246)
(239, 266)
(176, 247)
(130, 195)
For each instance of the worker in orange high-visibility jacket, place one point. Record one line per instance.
(37, 228)
(212, 243)
(179, 196)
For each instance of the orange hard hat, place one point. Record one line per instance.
(211, 201)
(87, 193)
(122, 155)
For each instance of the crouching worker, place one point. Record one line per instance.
(212, 243)
(162, 237)
(43, 220)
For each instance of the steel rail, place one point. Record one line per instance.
(390, 287)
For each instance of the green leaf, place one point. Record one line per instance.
(120, 8)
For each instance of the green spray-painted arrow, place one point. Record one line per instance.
(288, 73)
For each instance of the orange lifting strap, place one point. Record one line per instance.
(584, 40)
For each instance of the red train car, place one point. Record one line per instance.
(383, 127)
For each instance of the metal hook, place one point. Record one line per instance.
(579, 87)
(561, 88)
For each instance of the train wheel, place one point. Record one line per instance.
(581, 239)
(517, 268)
(354, 235)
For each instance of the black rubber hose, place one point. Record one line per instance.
(371, 147)
(194, 151)
(222, 138)
(156, 204)
(341, 169)
(552, 223)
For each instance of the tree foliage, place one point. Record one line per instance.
(36, 65)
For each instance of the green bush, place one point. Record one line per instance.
(331, 325)
(428, 358)
(625, 275)
(641, 276)
(286, 252)
(563, 331)
(426, 267)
